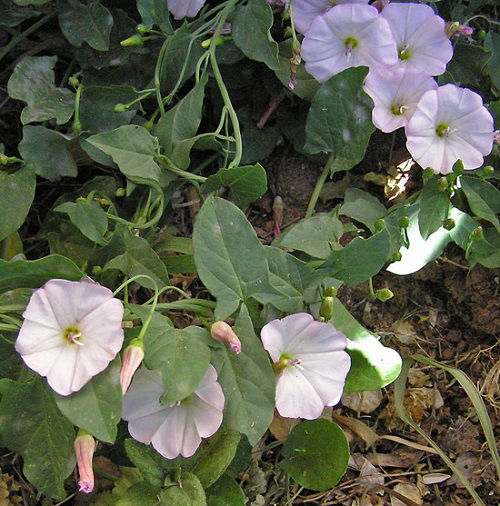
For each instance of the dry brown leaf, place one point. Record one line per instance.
(281, 427)
(367, 434)
(363, 402)
(411, 444)
(409, 491)
(386, 460)
(417, 378)
(404, 330)
(432, 478)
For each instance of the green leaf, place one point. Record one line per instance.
(34, 273)
(246, 183)
(13, 16)
(181, 123)
(317, 236)
(153, 12)
(85, 23)
(65, 239)
(139, 494)
(181, 357)
(11, 363)
(47, 152)
(251, 32)
(215, 456)
(363, 207)
(247, 380)
(31, 424)
(233, 270)
(466, 66)
(88, 217)
(186, 492)
(133, 149)
(147, 460)
(492, 43)
(434, 208)
(97, 407)
(16, 195)
(360, 260)
(225, 492)
(483, 198)
(33, 82)
(316, 454)
(137, 257)
(373, 365)
(340, 119)
(258, 143)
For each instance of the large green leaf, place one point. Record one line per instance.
(316, 454)
(246, 183)
(363, 207)
(186, 491)
(373, 365)
(483, 198)
(153, 12)
(247, 380)
(139, 494)
(360, 260)
(466, 66)
(251, 32)
(181, 356)
(148, 461)
(85, 23)
(97, 407)
(340, 119)
(13, 15)
(34, 273)
(492, 43)
(48, 152)
(228, 255)
(225, 492)
(434, 208)
(132, 148)
(31, 424)
(33, 82)
(16, 195)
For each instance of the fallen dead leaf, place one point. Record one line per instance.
(367, 434)
(409, 491)
(281, 427)
(363, 402)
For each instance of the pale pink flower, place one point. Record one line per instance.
(84, 451)
(311, 362)
(177, 429)
(185, 8)
(306, 11)
(222, 332)
(132, 359)
(450, 123)
(396, 93)
(348, 35)
(420, 36)
(71, 331)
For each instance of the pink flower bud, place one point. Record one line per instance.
(84, 450)
(496, 137)
(132, 358)
(223, 333)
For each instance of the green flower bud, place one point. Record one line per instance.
(396, 257)
(442, 184)
(142, 29)
(477, 234)
(379, 225)
(330, 291)
(481, 35)
(97, 269)
(427, 174)
(449, 224)
(326, 308)
(120, 192)
(120, 108)
(73, 81)
(384, 294)
(134, 40)
(488, 171)
(404, 221)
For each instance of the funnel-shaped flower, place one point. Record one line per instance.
(420, 36)
(306, 11)
(450, 123)
(71, 331)
(84, 451)
(177, 429)
(348, 35)
(311, 362)
(185, 8)
(396, 93)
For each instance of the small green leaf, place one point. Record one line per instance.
(88, 217)
(316, 454)
(181, 357)
(33, 82)
(187, 491)
(47, 152)
(340, 119)
(133, 149)
(34, 273)
(31, 424)
(139, 494)
(492, 43)
(97, 407)
(434, 208)
(225, 492)
(16, 195)
(247, 380)
(483, 198)
(246, 183)
(153, 12)
(360, 260)
(14, 16)
(251, 32)
(363, 207)
(85, 23)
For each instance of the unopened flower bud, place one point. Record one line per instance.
(404, 221)
(134, 40)
(132, 359)
(481, 35)
(96, 270)
(496, 137)
(488, 171)
(427, 174)
(84, 451)
(380, 4)
(120, 192)
(278, 207)
(442, 184)
(120, 108)
(449, 224)
(396, 257)
(142, 29)
(326, 308)
(384, 294)
(330, 291)
(379, 225)
(223, 333)
(477, 234)
(73, 81)
(451, 27)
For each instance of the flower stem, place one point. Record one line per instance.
(319, 186)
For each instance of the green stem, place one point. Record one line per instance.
(370, 286)
(159, 63)
(21, 36)
(167, 164)
(77, 125)
(319, 186)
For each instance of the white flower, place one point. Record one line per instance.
(420, 37)
(306, 11)
(450, 123)
(348, 35)
(71, 331)
(177, 429)
(185, 8)
(396, 93)
(312, 363)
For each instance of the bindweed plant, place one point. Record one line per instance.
(102, 346)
